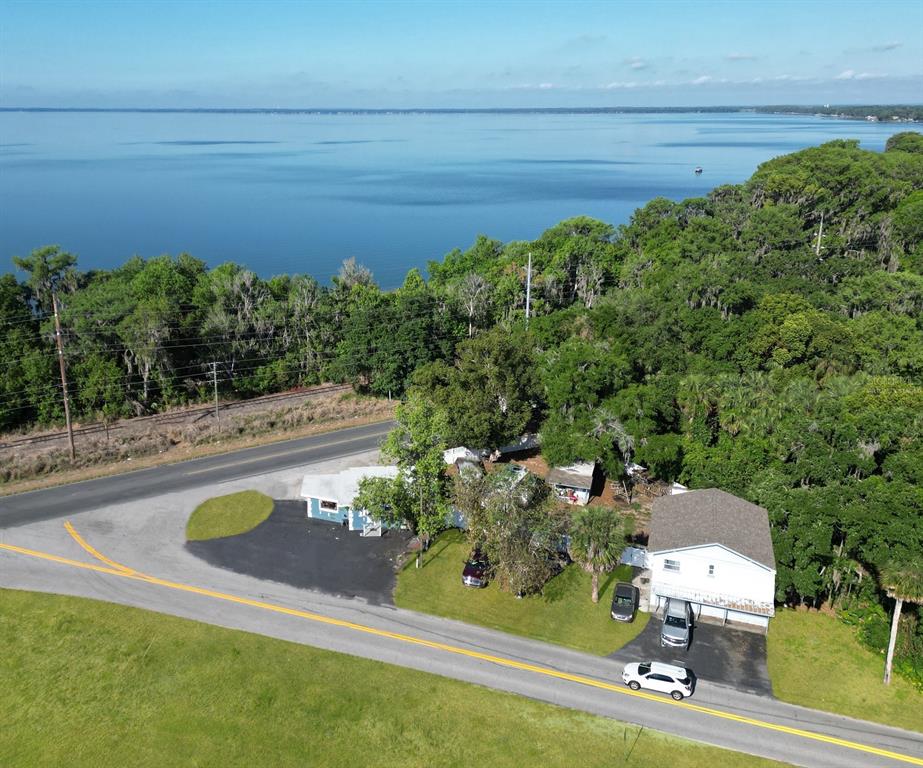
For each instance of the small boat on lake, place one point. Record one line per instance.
(698, 170)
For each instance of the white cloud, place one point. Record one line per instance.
(636, 62)
(702, 80)
(851, 74)
(620, 85)
(740, 57)
(789, 78)
(545, 86)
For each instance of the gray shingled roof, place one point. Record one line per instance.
(711, 516)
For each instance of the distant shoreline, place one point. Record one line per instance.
(880, 113)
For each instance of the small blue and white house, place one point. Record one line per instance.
(330, 497)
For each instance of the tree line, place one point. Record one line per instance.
(766, 339)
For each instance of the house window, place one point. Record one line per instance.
(329, 506)
(711, 570)
(671, 565)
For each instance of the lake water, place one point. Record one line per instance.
(301, 192)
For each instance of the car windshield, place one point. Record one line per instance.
(476, 564)
(684, 680)
(675, 621)
(622, 600)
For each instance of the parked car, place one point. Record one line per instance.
(679, 682)
(625, 601)
(475, 571)
(677, 623)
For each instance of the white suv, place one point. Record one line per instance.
(677, 681)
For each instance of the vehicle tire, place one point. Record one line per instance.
(634, 685)
(677, 695)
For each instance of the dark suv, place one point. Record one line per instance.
(475, 572)
(625, 601)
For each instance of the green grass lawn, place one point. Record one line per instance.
(817, 661)
(564, 614)
(228, 515)
(97, 685)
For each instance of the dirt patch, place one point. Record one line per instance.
(139, 444)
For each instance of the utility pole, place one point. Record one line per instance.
(528, 288)
(215, 380)
(67, 409)
(820, 234)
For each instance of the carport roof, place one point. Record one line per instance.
(711, 516)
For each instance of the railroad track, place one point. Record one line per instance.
(177, 417)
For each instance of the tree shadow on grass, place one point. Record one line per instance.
(436, 549)
(608, 582)
(559, 586)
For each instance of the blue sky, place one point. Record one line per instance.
(448, 54)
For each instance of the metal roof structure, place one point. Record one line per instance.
(579, 475)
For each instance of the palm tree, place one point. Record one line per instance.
(597, 538)
(903, 580)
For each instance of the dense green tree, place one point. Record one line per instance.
(50, 270)
(906, 141)
(419, 496)
(489, 395)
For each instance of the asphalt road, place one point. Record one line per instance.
(72, 499)
(151, 568)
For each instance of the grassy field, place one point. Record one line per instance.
(228, 515)
(816, 661)
(98, 685)
(564, 614)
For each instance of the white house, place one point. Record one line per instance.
(715, 550)
(330, 497)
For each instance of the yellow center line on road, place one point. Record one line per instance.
(95, 553)
(271, 456)
(72, 563)
(124, 572)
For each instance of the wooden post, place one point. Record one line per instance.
(60, 343)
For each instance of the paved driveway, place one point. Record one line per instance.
(312, 554)
(719, 654)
